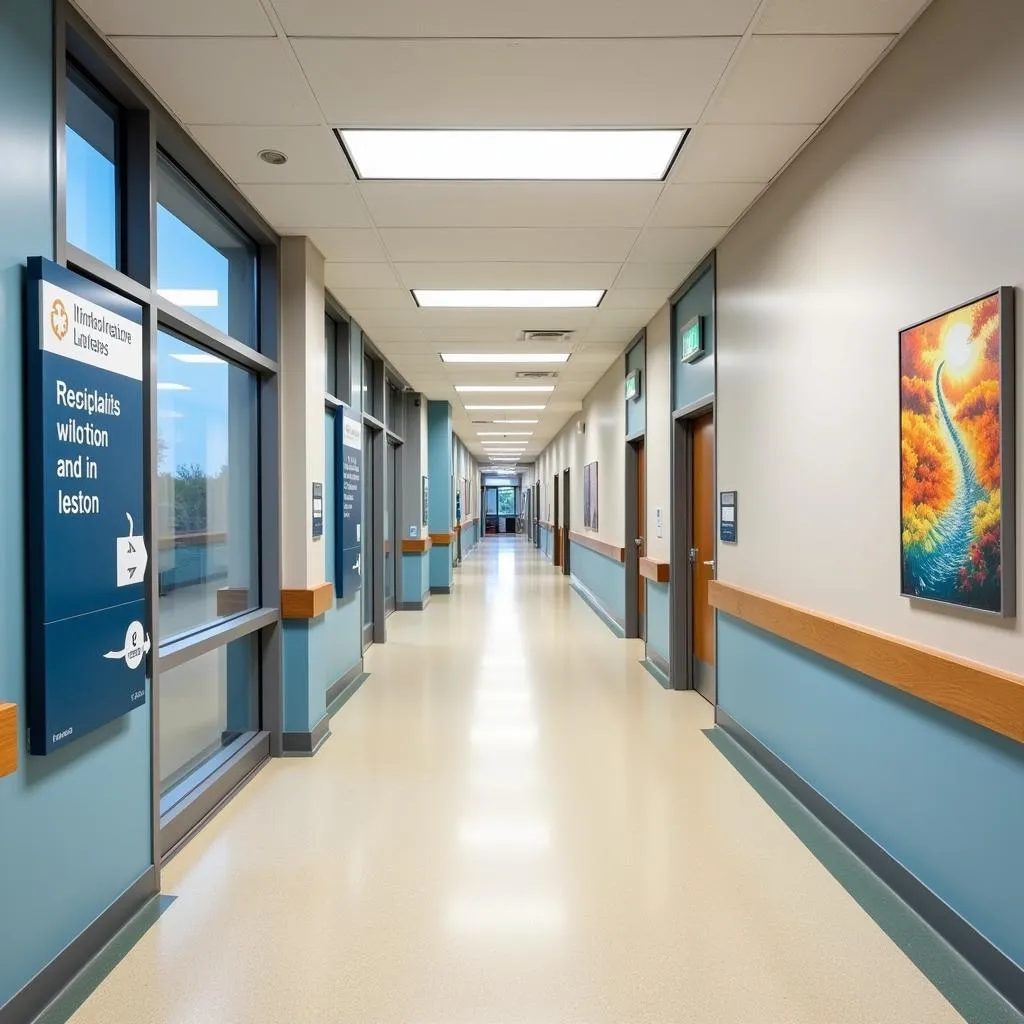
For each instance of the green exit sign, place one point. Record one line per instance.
(632, 385)
(691, 340)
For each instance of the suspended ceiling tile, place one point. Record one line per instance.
(739, 152)
(345, 276)
(313, 154)
(514, 82)
(302, 206)
(375, 318)
(223, 81)
(674, 245)
(511, 319)
(704, 204)
(181, 18)
(507, 275)
(473, 335)
(837, 16)
(340, 245)
(396, 299)
(510, 204)
(793, 79)
(647, 299)
(526, 18)
(529, 245)
(414, 337)
(667, 276)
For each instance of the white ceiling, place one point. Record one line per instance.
(753, 79)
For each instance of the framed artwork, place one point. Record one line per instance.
(590, 495)
(957, 538)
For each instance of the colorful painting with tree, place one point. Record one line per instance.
(951, 433)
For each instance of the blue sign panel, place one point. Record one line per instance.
(86, 554)
(348, 486)
(727, 516)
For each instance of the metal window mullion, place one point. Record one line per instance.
(220, 634)
(195, 330)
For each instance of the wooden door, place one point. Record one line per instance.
(641, 532)
(566, 523)
(556, 532)
(703, 519)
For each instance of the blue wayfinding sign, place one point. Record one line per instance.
(86, 554)
(348, 486)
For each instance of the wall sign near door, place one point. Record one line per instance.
(87, 556)
(632, 385)
(727, 516)
(318, 509)
(348, 484)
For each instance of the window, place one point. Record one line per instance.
(370, 385)
(91, 178)
(205, 487)
(336, 357)
(506, 501)
(394, 410)
(204, 262)
(207, 705)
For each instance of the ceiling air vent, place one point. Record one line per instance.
(536, 374)
(548, 336)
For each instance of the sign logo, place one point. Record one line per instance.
(59, 319)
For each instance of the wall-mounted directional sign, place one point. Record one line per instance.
(348, 486)
(86, 553)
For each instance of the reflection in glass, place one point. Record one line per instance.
(390, 519)
(90, 137)
(331, 357)
(204, 263)
(368, 545)
(205, 488)
(206, 706)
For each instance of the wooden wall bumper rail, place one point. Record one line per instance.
(653, 569)
(442, 539)
(608, 550)
(8, 739)
(307, 602)
(415, 545)
(987, 696)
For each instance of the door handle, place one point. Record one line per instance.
(711, 563)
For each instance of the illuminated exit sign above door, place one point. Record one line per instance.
(691, 340)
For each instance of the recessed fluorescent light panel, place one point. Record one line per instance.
(511, 155)
(516, 422)
(508, 298)
(504, 433)
(505, 357)
(465, 388)
(504, 408)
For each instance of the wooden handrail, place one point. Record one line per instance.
(601, 547)
(655, 570)
(987, 696)
(415, 545)
(307, 602)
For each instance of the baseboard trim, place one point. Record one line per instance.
(306, 744)
(1005, 976)
(335, 704)
(618, 628)
(660, 675)
(440, 590)
(413, 606)
(344, 682)
(48, 984)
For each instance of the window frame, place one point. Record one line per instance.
(146, 128)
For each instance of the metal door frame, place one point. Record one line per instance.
(681, 540)
(633, 530)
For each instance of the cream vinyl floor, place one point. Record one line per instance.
(511, 823)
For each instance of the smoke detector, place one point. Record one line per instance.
(548, 336)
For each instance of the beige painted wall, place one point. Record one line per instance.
(911, 201)
(604, 413)
(659, 410)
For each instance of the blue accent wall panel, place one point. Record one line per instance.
(546, 542)
(636, 409)
(658, 618)
(693, 381)
(940, 794)
(75, 827)
(439, 472)
(603, 577)
(415, 576)
(335, 647)
(295, 640)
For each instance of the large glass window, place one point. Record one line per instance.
(206, 487)
(91, 177)
(336, 357)
(205, 264)
(207, 705)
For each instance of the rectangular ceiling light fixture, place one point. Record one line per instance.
(488, 154)
(505, 357)
(504, 408)
(496, 388)
(505, 433)
(516, 422)
(508, 298)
